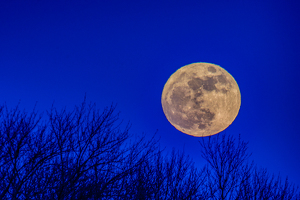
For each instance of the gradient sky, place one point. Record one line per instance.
(125, 51)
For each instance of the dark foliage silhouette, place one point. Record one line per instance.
(87, 154)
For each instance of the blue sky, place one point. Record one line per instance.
(125, 51)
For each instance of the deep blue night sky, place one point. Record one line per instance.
(125, 51)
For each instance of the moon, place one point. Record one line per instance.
(201, 99)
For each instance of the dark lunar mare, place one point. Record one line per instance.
(180, 98)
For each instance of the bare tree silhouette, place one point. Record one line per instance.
(231, 176)
(87, 154)
(83, 154)
(169, 177)
(55, 159)
(262, 185)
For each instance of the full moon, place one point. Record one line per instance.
(201, 99)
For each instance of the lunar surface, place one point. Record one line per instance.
(201, 99)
